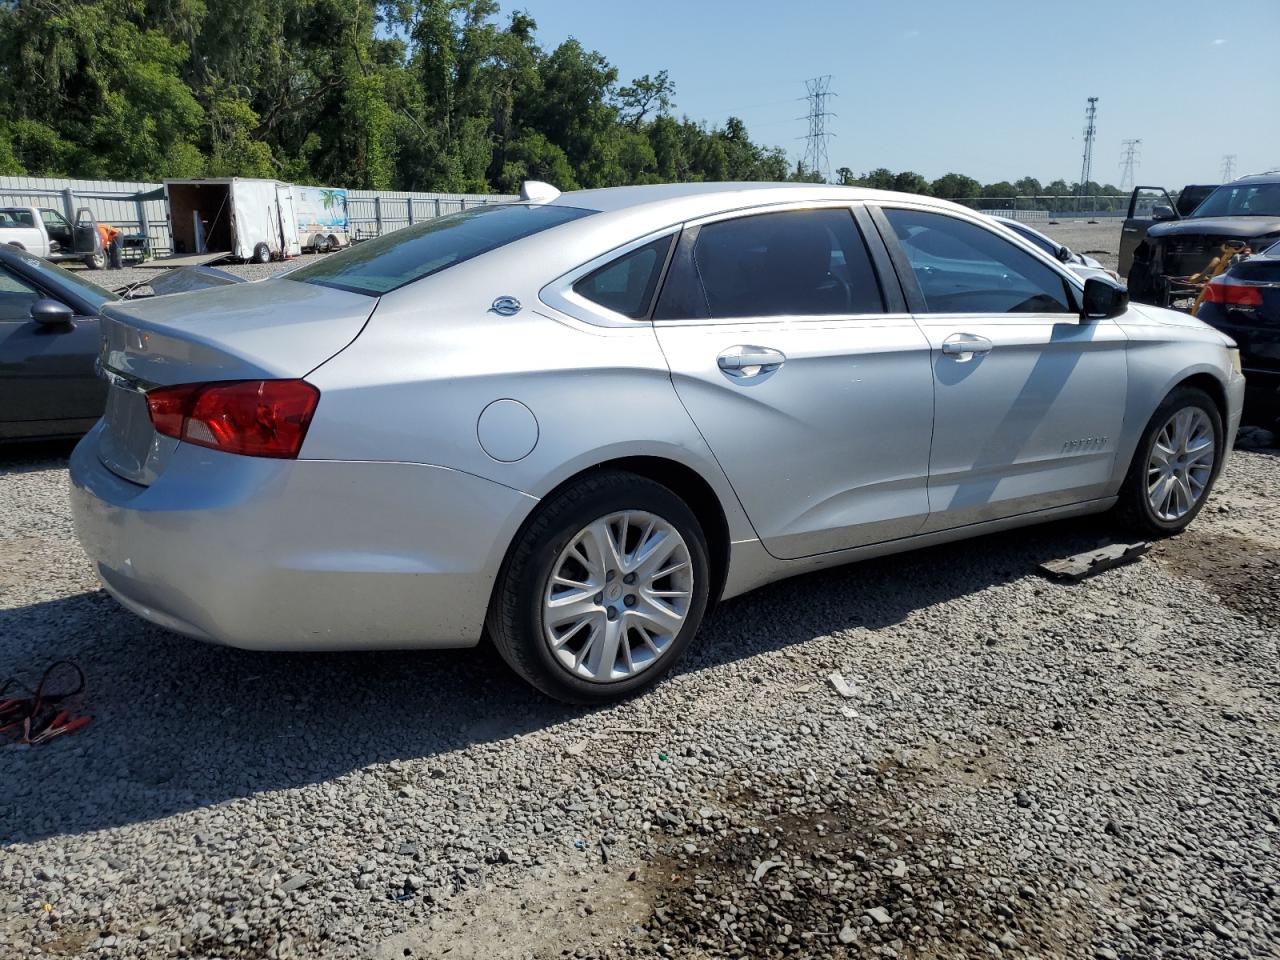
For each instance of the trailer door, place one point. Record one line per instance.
(290, 244)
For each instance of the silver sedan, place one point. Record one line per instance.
(574, 423)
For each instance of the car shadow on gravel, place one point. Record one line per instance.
(180, 725)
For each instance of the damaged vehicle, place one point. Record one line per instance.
(1161, 250)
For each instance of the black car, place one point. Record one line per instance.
(48, 345)
(1244, 303)
(1158, 247)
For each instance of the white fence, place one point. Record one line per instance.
(371, 212)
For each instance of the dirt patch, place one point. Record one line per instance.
(845, 870)
(1243, 572)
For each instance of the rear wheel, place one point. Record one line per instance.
(603, 590)
(333, 242)
(1175, 465)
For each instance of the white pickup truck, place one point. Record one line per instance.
(47, 233)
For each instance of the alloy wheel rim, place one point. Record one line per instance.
(1181, 464)
(618, 596)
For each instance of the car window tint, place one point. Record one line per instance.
(379, 266)
(16, 297)
(792, 263)
(964, 268)
(626, 285)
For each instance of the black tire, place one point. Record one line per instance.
(95, 261)
(514, 621)
(1133, 509)
(262, 253)
(333, 242)
(320, 243)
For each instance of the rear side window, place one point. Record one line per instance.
(964, 268)
(382, 265)
(791, 263)
(626, 285)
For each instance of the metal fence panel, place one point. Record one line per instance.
(371, 212)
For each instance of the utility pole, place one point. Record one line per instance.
(815, 150)
(1129, 162)
(1228, 167)
(1090, 131)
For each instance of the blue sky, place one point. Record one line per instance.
(995, 89)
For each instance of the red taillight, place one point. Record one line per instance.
(1223, 291)
(257, 418)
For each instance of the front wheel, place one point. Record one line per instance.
(603, 590)
(95, 261)
(1175, 465)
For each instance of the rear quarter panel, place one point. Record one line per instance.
(434, 355)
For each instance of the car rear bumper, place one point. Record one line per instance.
(298, 554)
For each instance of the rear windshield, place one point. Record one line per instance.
(1242, 200)
(380, 266)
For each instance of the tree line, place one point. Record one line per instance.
(438, 95)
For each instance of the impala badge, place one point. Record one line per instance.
(506, 306)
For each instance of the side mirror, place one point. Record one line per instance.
(1163, 211)
(1064, 254)
(51, 313)
(1104, 298)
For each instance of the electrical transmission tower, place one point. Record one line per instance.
(815, 151)
(1129, 162)
(1228, 167)
(1090, 131)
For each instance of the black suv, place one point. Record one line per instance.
(1158, 246)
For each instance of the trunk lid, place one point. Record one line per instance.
(248, 331)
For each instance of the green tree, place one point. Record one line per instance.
(955, 186)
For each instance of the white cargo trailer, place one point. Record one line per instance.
(321, 212)
(245, 218)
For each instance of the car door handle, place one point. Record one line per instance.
(963, 346)
(743, 362)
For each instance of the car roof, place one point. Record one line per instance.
(726, 195)
(1271, 176)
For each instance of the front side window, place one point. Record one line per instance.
(626, 285)
(379, 266)
(16, 297)
(964, 268)
(52, 218)
(791, 263)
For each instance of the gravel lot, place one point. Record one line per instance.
(1020, 768)
(1023, 767)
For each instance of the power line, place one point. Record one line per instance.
(1090, 131)
(1228, 167)
(1129, 162)
(815, 151)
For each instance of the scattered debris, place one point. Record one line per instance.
(765, 868)
(841, 685)
(577, 749)
(296, 882)
(1076, 568)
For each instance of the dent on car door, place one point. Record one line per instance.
(815, 398)
(46, 372)
(1029, 399)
